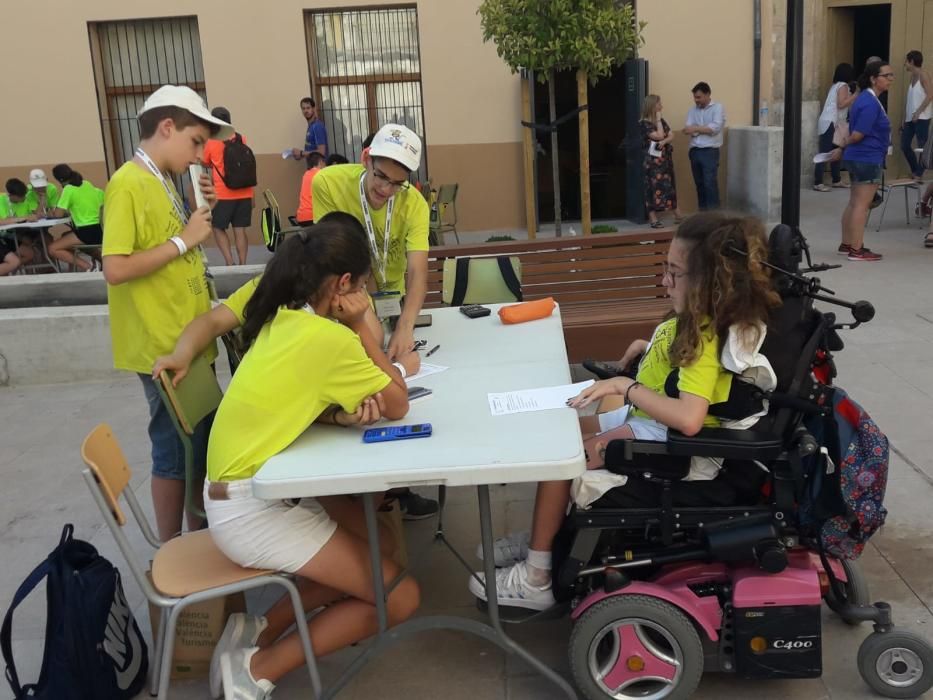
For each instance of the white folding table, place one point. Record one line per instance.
(40, 224)
(469, 447)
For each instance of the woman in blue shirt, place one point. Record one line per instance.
(863, 155)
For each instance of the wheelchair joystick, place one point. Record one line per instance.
(863, 311)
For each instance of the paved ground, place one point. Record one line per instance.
(885, 366)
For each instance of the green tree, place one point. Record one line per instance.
(546, 36)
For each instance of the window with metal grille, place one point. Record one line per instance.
(366, 71)
(131, 60)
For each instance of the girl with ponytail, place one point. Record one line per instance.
(311, 358)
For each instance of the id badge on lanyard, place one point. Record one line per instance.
(388, 304)
(380, 258)
(180, 211)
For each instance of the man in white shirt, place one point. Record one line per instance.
(705, 122)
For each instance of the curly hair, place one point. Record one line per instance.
(728, 283)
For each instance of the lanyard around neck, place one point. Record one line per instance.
(381, 261)
(180, 210)
(169, 192)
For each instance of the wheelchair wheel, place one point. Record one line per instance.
(856, 591)
(634, 646)
(896, 664)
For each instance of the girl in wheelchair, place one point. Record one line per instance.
(717, 283)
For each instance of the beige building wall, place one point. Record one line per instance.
(256, 64)
(686, 42)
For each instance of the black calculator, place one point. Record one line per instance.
(397, 432)
(474, 310)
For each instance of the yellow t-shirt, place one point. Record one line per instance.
(149, 313)
(705, 377)
(337, 188)
(237, 301)
(299, 365)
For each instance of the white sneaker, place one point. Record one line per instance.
(514, 590)
(238, 682)
(509, 549)
(241, 632)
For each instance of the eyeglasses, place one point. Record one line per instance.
(666, 271)
(385, 181)
(889, 76)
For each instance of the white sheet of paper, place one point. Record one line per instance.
(426, 371)
(654, 150)
(506, 402)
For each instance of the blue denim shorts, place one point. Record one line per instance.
(863, 173)
(168, 452)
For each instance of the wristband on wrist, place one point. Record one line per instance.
(629, 391)
(401, 368)
(180, 244)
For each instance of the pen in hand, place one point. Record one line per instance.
(432, 350)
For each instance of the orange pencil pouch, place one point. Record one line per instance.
(527, 311)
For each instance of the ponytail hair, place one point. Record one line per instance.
(65, 175)
(729, 285)
(303, 264)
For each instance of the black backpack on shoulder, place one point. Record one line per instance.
(93, 647)
(239, 164)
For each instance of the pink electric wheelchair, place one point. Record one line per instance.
(666, 579)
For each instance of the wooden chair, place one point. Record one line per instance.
(196, 397)
(187, 569)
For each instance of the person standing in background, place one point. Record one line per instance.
(863, 153)
(705, 122)
(833, 119)
(918, 112)
(234, 207)
(315, 136)
(658, 162)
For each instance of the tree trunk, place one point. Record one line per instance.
(555, 170)
(528, 160)
(585, 213)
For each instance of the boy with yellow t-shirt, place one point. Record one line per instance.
(156, 278)
(395, 217)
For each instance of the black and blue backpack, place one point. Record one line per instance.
(93, 647)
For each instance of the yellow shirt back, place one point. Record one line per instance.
(149, 313)
(337, 188)
(299, 365)
(705, 377)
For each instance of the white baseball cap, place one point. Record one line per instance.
(399, 143)
(186, 98)
(37, 178)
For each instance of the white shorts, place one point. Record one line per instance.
(261, 534)
(643, 428)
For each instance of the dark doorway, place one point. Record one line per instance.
(607, 155)
(872, 32)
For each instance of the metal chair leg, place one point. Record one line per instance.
(157, 660)
(906, 206)
(885, 196)
(302, 629)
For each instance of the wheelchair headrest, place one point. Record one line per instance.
(784, 249)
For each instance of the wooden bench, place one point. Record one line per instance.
(608, 285)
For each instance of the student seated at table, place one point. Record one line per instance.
(82, 202)
(312, 357)
(717, 283)
(42, 194)
(17, 208)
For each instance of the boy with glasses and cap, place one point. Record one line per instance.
(396, 219)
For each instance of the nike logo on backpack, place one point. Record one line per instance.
(116, 635)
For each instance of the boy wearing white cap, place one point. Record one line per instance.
(395, 217)
(42, 194)
(156, 276)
